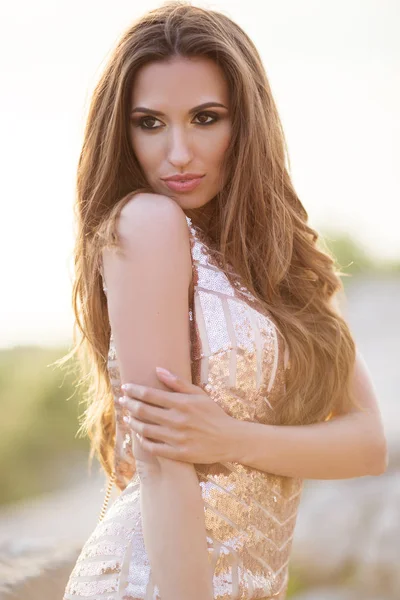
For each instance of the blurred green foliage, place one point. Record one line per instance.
(296, 584)
(352, 257)
(38, 424)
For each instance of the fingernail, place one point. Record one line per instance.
(124, 387)
(126, 418)
(122, 400)
(166, 373)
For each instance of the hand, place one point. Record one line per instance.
(185, 424)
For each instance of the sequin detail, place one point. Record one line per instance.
(239, 357)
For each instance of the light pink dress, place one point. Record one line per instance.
(239, 358)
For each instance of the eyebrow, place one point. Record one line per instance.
(143, 109)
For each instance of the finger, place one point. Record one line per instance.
(163, 450)
(149, 430)
(146, 412)
(176, 383)
(149, 395)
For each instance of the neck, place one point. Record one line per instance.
(204, 218)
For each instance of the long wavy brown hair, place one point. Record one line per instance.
(260, 225)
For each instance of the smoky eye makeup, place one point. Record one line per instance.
(206, 118)
(143, 122)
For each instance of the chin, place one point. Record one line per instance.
(193, 204)
(186, 202)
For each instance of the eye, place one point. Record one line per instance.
(146, 122)
(213, 116)
(143, 120)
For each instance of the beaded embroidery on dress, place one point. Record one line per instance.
(238, 357)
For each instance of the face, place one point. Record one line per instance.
(172, 134)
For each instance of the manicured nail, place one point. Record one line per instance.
(166, 373)
(122, 400)
(126, 418)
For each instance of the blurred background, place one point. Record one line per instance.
(334, 69)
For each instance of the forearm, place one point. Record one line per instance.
(174, 530)
(346, 446)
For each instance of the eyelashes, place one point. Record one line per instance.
(141, 122)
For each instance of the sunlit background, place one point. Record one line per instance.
(334, 69)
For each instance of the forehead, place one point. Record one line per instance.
(179, 81)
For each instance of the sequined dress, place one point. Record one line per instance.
(239, 357)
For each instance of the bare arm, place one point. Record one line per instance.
(349, 445)
(148, 309)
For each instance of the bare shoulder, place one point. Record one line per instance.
(152, 214)
(153, 230)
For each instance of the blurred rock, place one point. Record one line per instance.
(333, 594)
(325, 594)
(349, 532)
(40, 539)
(68, 515)
(30, 569)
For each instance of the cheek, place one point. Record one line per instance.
(216, 150)
(145, 151)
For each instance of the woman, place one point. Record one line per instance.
(217, 279)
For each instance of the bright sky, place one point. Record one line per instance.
(334, 68)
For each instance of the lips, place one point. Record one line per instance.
(180, 177)
(183, 186)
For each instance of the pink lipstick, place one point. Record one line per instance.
(183, 182)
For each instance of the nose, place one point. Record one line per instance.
(179, 147)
